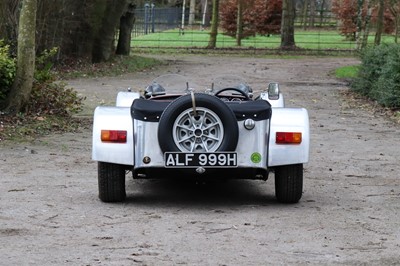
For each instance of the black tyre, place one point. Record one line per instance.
(213, 127)
(111, 182)
(289, 183)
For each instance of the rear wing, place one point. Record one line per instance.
(293, 122)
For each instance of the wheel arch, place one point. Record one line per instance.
(113, 118)
(289, 120)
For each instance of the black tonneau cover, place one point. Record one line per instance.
(151, 110)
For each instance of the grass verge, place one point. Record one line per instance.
(305, 39)
(347, 72)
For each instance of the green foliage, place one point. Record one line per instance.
(379, 75)
(44, 64)
(7, 70)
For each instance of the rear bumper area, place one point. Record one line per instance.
(209, 173)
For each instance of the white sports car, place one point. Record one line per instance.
(223, 132)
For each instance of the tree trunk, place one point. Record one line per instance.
(367, 25)
(192, 12)
(312, 13)
(397, 22)
(239, 23)
(214, 25)
(125, 30)
(379, 23)
(287, 29)
(360, 5)
(103, 42)
(22, 86)
(9, 16)
(303, 20)
(322, 13)
(205, 15)
(394, 10)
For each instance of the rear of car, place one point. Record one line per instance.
(201, 136)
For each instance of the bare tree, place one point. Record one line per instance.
(379, 24)
(103, 42)
(304, 12)
(9, 15)
(22, 86)
(312, 13)
(359, 23)
(287, 29)
(125, 30)
(214, 25)
(205, 13)
(192, 12)
(367, 25)
(239, 23)
(394, 8)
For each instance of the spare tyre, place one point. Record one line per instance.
(198, 122)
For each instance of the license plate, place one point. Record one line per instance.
(215, 159)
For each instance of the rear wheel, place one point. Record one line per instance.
(289, 183)
(111, 179)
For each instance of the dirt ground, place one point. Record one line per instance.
(349, 214)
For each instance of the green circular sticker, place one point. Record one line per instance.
(256, 157)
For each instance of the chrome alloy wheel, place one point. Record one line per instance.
(202, 132)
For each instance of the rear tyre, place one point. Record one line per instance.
(111, 179)
(289, 183)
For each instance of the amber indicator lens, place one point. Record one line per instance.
(288, 137)
(117, 136)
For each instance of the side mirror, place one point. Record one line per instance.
(273, 91)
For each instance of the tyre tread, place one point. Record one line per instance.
(111, 178)
(289, 183)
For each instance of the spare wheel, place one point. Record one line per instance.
(198, 122)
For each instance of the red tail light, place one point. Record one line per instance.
(288, 137)
(117, 136)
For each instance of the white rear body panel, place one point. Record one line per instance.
(289, 120)
(142, 139)
(113, 118)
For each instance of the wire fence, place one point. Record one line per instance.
(168, 28)
(151, 20)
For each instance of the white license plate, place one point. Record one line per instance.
(215, 159)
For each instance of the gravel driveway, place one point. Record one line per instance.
(349, 214)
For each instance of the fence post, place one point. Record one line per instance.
(183, 18)
(146, 18)
(203, 21)
(152, 17)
